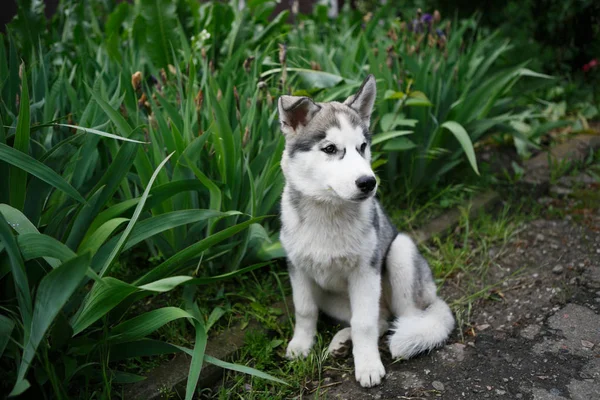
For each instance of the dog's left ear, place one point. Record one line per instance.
(362, 102)
(295, 111)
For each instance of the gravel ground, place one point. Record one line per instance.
(540, 338)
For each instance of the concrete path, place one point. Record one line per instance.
(540, 338)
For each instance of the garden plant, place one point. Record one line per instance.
(139, 155)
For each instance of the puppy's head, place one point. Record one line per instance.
(327, 154)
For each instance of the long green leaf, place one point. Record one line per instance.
(96, 239)
(36, 168)
(52, 294)
(19, 275)
(138, 210)
(6, 327)
(198, 355)
(382, 137)
(195, 250)
(36, 245)
(142, 325)
(105, 295)
(152, 226)
(465, 141)
(100, 133)
(18, 175)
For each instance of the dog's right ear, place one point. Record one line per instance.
(295, 111)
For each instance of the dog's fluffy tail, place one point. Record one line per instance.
(421, 332)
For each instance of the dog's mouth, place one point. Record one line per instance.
(361, 197)
(356, 199)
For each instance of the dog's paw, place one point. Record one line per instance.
(369, 372)
(299, 347)
(340, 344)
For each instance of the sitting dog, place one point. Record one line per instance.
(345, 257)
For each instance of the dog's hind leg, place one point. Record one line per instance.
(423, 320)
(341, 343)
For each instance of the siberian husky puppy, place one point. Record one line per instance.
(345, 256)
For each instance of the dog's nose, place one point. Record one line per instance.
(366, 183)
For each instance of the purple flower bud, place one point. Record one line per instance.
(426, 18)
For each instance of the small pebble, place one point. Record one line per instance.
(558, 269)
(555, 392)
(437, 385)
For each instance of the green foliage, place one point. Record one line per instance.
(152, 127)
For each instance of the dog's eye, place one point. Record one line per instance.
(363, 147)
(331, 149)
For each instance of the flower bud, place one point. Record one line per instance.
(136, 81)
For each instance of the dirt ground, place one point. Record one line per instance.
(537, 337)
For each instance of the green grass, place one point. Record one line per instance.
(142, 152)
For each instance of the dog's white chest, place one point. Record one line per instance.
(327, 248)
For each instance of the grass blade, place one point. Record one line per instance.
(52, 294)
(142, 325)
(101, 133)
(36, 168)
(18, 272)
(18, 175)
(194, 250)
(465, 141)
(6, 327)
(136, 214)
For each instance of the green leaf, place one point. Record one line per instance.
(96, 239)
(100, 133)
(418, 99)
(18, 175)
(23, 226)
(198, 355)
(243, 369)
(399, 144)
(392, 120)
(121, 377)
(110, 213)
(143, 325)
(114, 115)
(6, 327)
(52, 294)
(161, 21)
(384, 136)
(465, 141)
(138, 210)
(36, 245)
(235, 367)
(36, 168)
(170, 266)
(105, 295)
(164, 285)
(19, 275)
(152, 226)
(311, 78)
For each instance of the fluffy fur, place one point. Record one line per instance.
(345, 257)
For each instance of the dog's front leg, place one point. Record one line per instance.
(307, 313)
(364, 287)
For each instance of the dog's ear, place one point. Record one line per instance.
(362, 102)
(295, 111)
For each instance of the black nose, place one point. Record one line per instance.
(366, 183)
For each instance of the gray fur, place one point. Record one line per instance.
(306, 137)
(386, 233)
(346, 258)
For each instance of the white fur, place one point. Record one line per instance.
(330, 240)
(321, 178)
